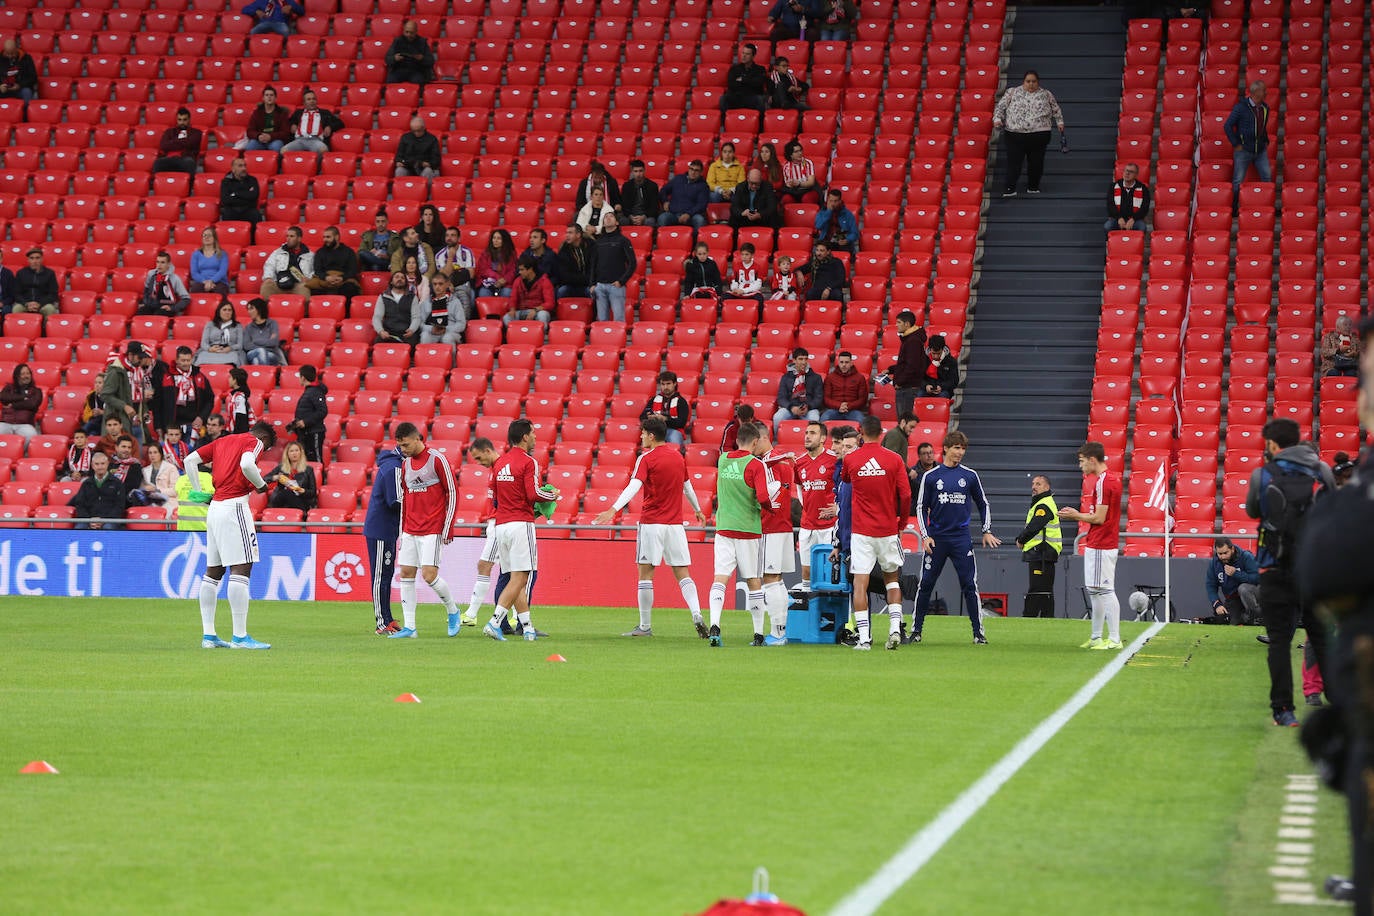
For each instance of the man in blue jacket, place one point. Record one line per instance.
(685, 198)
(1233, 584)
(836, 226)
(381, 528)
(1247, 129)
(273, 16)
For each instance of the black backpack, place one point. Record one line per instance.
(1287, 493)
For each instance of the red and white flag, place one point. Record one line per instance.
(1159, 495)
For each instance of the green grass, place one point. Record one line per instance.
(645, 776)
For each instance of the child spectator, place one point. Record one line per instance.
(77, 466)
(745, 282)
(784, 285)
(236, 410)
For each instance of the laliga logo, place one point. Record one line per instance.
(340, 569)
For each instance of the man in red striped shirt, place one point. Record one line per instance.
(429, 506)
(515, 486)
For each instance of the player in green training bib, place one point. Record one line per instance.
(742, 485)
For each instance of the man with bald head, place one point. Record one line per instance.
(418, 152)
(18, 72)
(409, 59)
(1247, 128)
(754, 204)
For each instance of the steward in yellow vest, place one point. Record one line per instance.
(191, 516)
(1040, 542)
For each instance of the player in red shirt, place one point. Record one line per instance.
(816, 483)
(881, 500)
(661, 474)
(429, 507)
(484, 453)
(779, 557)
(515, 486)
(1100, 510)
(231, 539)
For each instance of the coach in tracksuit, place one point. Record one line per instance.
(381, 528)
(943, 504)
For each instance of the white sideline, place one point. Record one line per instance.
(923, 846)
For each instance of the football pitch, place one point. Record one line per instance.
(638, 776)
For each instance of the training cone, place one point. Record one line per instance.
(407, 698)
(555, 658)
(39, 766)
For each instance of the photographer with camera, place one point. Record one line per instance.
(1232, 585)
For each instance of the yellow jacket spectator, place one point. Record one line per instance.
(191, 516)
(724, 175)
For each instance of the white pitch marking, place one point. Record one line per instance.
(1295, 833)
(1296, 849)
(1287, 871)
(1289, 820)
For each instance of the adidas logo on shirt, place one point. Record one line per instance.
(872, 468)
(506, 475)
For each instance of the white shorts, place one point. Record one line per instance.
(230, 536)
(864, 551)
(1099, 568)
(778, 555)
(811, 537)
(419, 549)
(489, 545)
(656, 544)
(515, 549)
(743, 556)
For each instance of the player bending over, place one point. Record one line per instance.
(484, 453)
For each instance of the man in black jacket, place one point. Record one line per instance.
(613, 264)
(418, 152)
(746, 83)
(575, 258)
(754, 203)
(941, 370)
(639, 203)
(311, 410)
(239, 195)
(409, 59)
(182, 395)
(909, 370)
(826, 273)
(336, 269)
(671, 407)
(35, 286)
(101, 495)
(18, 73)
(801, 391)
(1128, 202)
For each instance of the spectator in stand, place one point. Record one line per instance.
(160, 476)
(182, 396)
(18, 72)
(1341, 349)
(798, 175)
(431, 227)
(456, 263)
(671, 407)
(1025, 114)
(417, 284)
(575, 264)
(746, 83)
(77, 465)
(125, 467)
(589, 217)
(210, 265)
(221, 343)
(941, 370)
(100, 495)
(410, 58)
(214, 428)
(754, 203)
(784, 281)
(725, 174)
(35, 286)
(269, 126)
(789, 90)
(418, 152)
(908, 372)
(110, 439)
(597, 177)
(1247, 129)
(684, 198)
(273, 16)
(613, 264)
(496, 265)
(261, 336)
(745, 282)
(312, 126)
(898, 438)
(311, 409)
(237, 404)
(794, 19)
(837, 20)
(1129, 201)
(294, 466)
(1188, 9)
(287, 269)
(545, 258)
(1342, 468)
(532, 296)
(163, 292)
(826, 273)
(374, 248)
(767, 162)
(845, 391)
(410, 245)
(639, 203)
(128, 390)
(239, 195)
(743, 414)
(836, 226)
(19, 404)
(801, 391)
(93, 410)
(6, 288)
(179, 148)
(701, 274)
(448, 313)
(399, 313)
(335, 269)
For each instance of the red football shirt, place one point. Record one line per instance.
(663, 472)
(429, 496)
(881, 490)
(777, 515)
(223, 454)
(1098, 490)
(816, 481)
(514, 479)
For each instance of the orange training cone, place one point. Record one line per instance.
(555, 658)
(39, 766)
(407, 698)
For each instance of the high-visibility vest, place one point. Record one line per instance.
(1051, 533)
(191, 516)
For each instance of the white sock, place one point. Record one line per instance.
(209, 598)
(646, 603)
(861, 626)
(445, 594)
(717, 602)
(689, 595)
(525, 620)
(238, 604)
(408, 602)
(1098, 603)
(1112, 606)
(894, 618)
(498, 615)
(479, 592)
(756, 610)
(775, 602)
